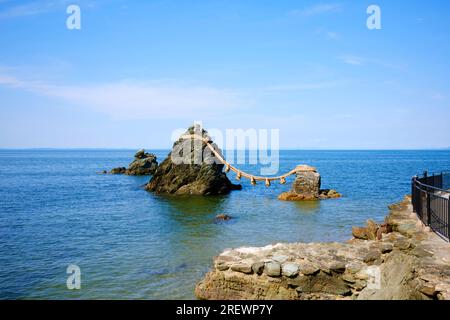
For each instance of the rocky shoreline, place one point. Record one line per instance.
(400, 259)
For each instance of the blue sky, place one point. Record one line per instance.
(137, 70)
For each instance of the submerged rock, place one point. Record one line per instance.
(191, 169)
(119, 170)
(222, 217)
(306, 187)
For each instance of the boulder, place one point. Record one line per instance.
(143, 164)
(191, 169)
(306, 187)
(307, 182)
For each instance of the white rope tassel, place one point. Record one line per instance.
(267, 183)
(238, 176)
(227, 168)
(282, 180)
(253, 181)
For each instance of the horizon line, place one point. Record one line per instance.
(281, 149)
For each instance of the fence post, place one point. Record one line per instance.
(448, 220)
(428, 207)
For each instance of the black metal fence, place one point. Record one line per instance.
(430, 200)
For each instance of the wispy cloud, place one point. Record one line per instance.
(352, 60)
(355, 60)
(30, 9)
(302, 86)
(317, 10)
(132, 100)
(162, 99)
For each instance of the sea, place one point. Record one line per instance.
(56, 210)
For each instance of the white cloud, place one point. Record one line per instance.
(166, 99)
(352, 60)
(302, 86)
(317, 10)
(39, 7)
(137, 100)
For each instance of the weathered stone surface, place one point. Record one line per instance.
(272, 269)
(308, 268)
(413, 265)
(360, 233)
(119, 170)
(386, 247)
(307, 182)
(196, 170)
(290, 270)
(322, 283)
(371, 256)
(258, 267)
(329, 194)
(306, 187)
(242, 267)
(143, 164)
(372, 228)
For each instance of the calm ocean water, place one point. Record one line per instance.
(55, 211)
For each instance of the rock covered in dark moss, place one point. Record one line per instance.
(143, 164)
(191, 169)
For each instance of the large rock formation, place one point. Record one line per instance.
(195, 171)
(306, 186)
(143, 164)
(407, 263)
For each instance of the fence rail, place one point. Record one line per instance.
(431, 201)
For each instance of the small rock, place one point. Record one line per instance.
(258, 267)
(348, 278)
(222, 266)
(140, 154)
(402, 244)
(372, 255)
(272, 269)
(290, 270)
(223, 217)
(383, 229)
(420, 253)
(386, 247)
(280, 258)
(309, 269)
(119, 170)
(337, 266)
(428, 290)
(372, 228)
(359, 233)
(242, 267)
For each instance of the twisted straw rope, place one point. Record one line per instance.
(238, 172)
